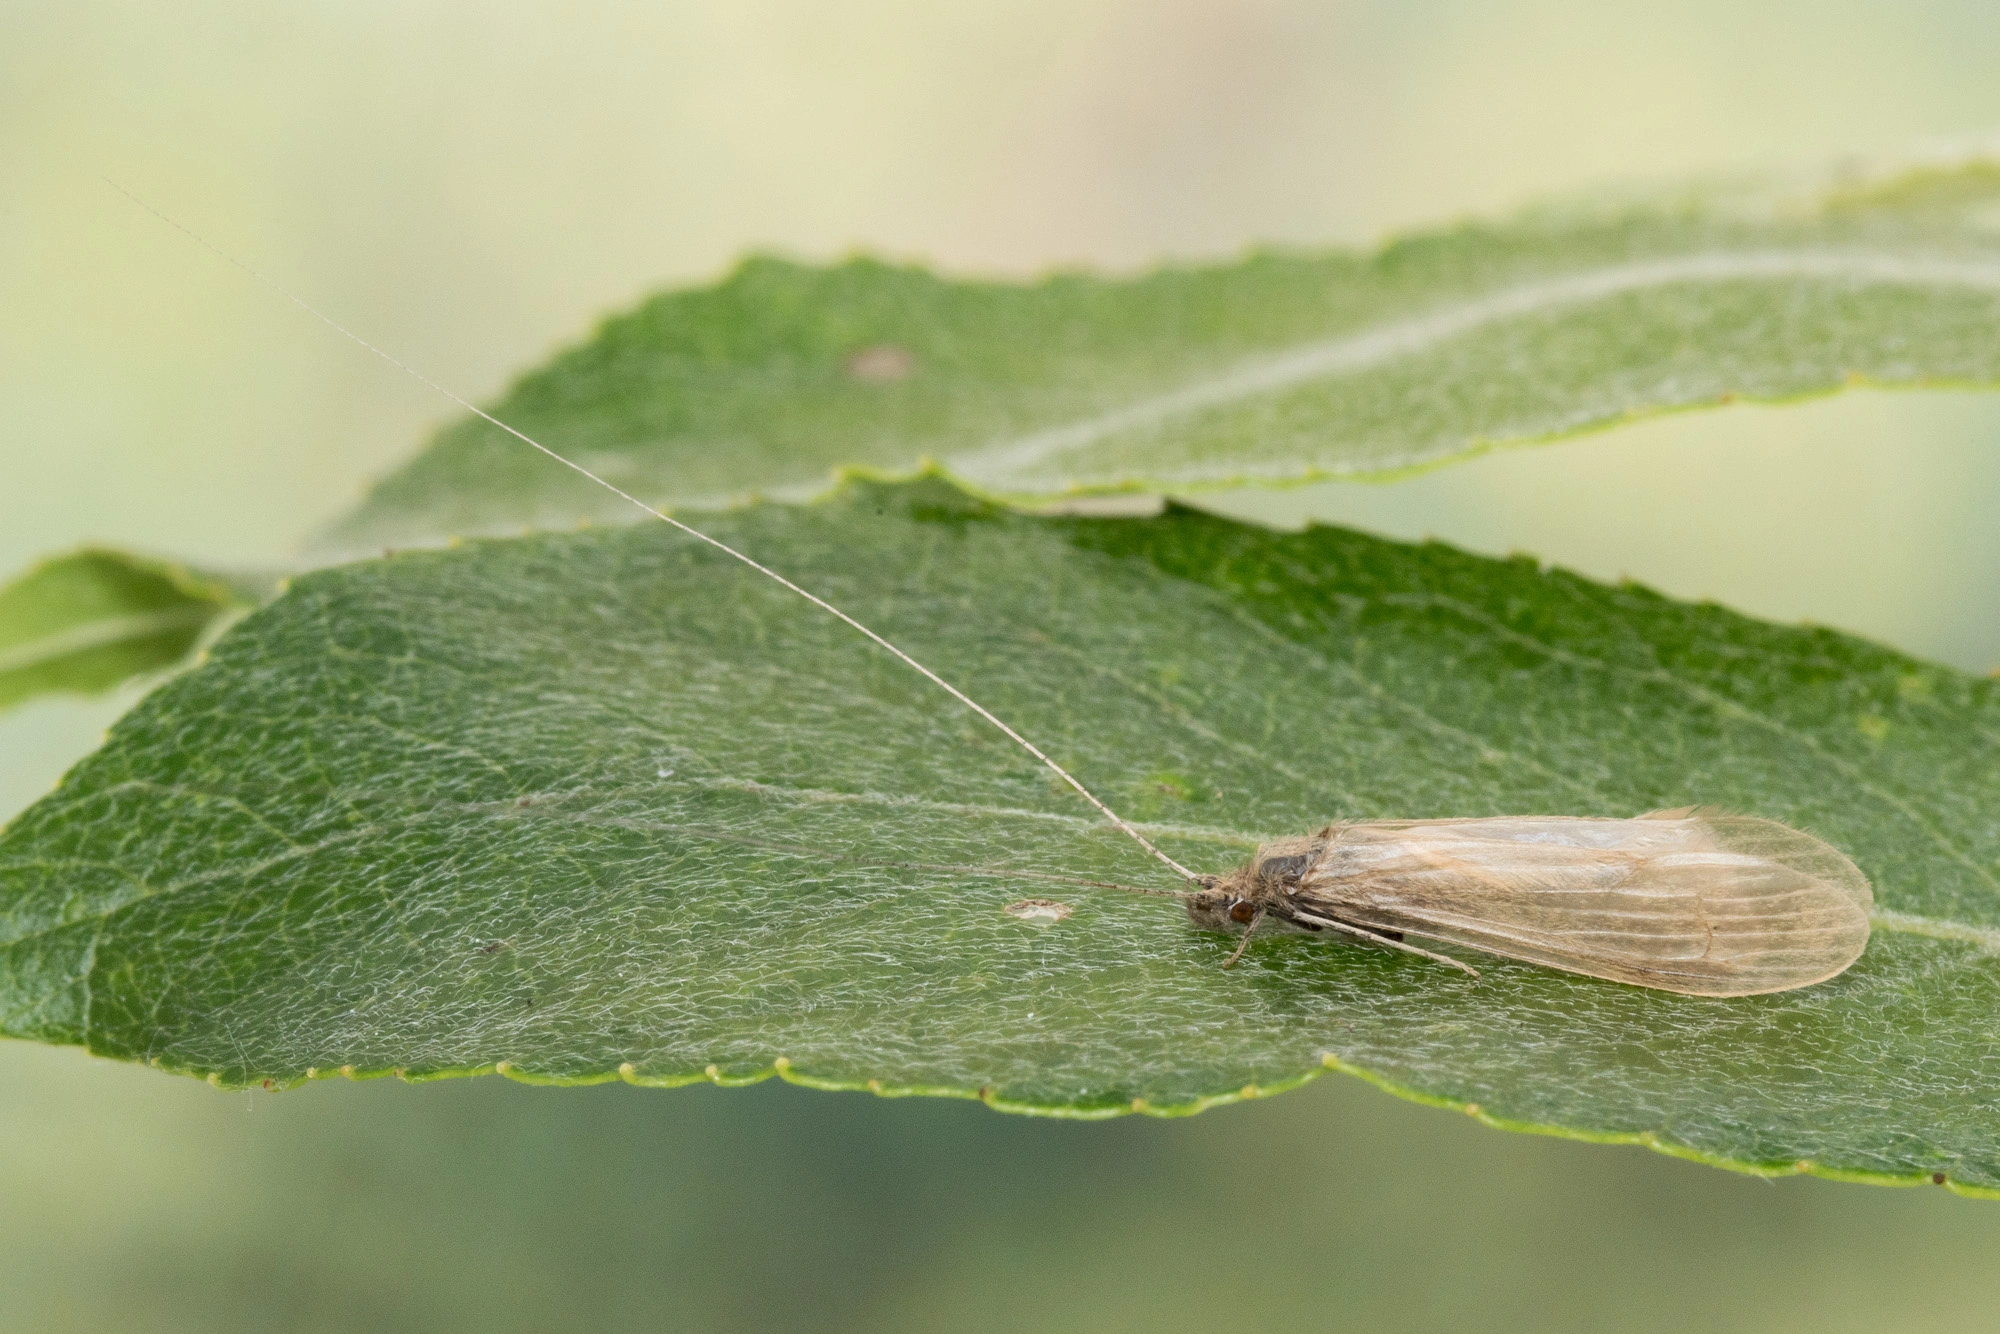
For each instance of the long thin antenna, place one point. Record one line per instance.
(721, 546)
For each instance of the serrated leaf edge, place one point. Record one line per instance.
(782, 1068)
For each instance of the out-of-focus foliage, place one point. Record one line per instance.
(1283, 366)
(94, 619)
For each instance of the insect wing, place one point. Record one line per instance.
(1706, 905)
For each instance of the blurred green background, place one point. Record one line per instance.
(473, 184)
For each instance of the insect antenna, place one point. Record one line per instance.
(664, 517)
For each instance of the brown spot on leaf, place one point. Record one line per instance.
(880, 363)
(1039, 910)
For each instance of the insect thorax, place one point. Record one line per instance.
(1229, 902)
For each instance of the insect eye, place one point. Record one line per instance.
(1241, 911)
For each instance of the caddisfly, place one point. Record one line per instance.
(1691, 901)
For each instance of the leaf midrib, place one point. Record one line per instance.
(98, 634)
(1881, 919)
(1368, 348)
(539, 808)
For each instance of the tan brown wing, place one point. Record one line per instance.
(1703, 904)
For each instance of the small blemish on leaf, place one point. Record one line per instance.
(1937, 1178)
(881, 363)
(495, 946)
(1043, 911)
(1871, 726)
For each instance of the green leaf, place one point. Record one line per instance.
(1279, 367)
(605, 803)
(94, 619)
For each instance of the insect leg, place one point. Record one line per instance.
(1379, 939)
(1244, 944)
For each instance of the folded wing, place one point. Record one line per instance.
(1706, 905)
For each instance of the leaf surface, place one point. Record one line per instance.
(1279, 367)
(91, 620)
(603, 803)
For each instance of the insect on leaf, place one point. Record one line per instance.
(604, 804)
